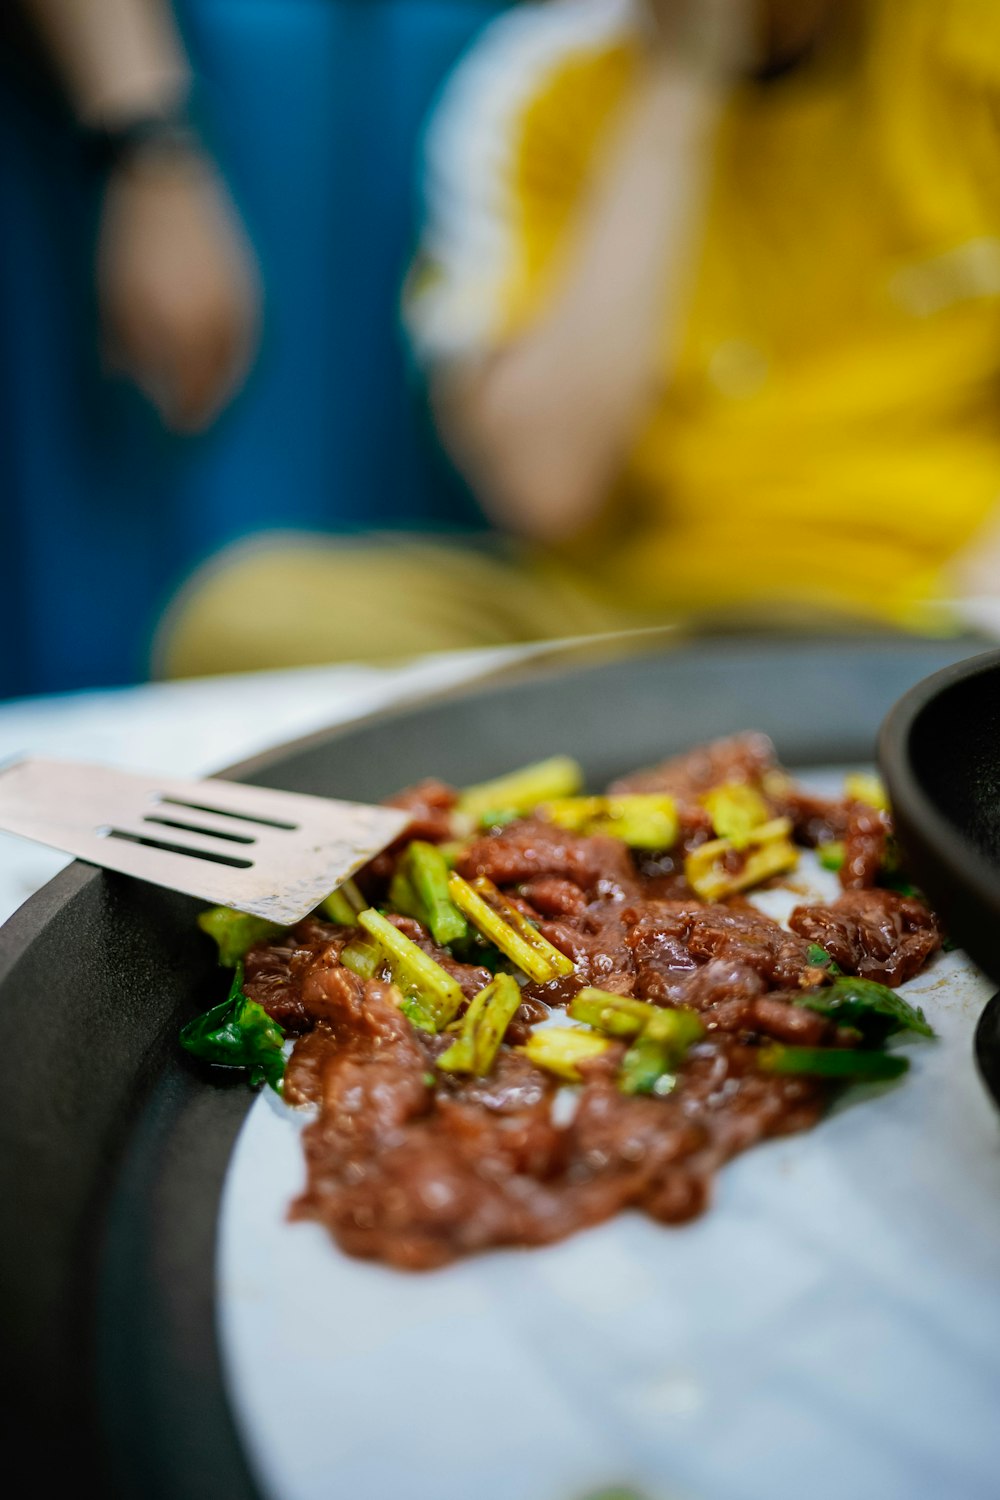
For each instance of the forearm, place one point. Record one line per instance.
(118, 59)
(541, 426)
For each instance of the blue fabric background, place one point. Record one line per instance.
(314, 108)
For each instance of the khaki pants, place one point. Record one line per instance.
(282, 601)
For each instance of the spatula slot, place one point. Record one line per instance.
(273, 853)
(210, 855)
(228, 812)
(212, 833)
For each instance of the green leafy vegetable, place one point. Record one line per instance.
(874, 1009)
(239, 1033)
(235, 931)
(475, 949)
(831, 1062)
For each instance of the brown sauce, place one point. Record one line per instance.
(416, 1167)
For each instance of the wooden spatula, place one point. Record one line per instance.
(275, 854)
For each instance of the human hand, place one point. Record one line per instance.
(178, 288)
(716, 40)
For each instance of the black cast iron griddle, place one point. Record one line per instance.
(939, 751)
(114, 1144)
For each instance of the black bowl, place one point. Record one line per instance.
(939, 752)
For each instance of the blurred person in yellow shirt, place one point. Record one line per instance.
(725, 337)
(708, 295)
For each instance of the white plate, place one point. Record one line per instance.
(828, 1331)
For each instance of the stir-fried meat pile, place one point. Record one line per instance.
(415, 1164)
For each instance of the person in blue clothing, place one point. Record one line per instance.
(177, 285)
(308, 112)
(130, 304)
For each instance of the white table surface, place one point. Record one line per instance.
(197, 727)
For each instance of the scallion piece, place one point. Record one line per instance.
(867, 789)
(646, 1069)
(451, 849)
(482, 1028)
(521, 791)
(831, 855)
(768, 851)
(650, 1064)
(427, 871)
(414, 972)
(615, 1015)
(831, 1062)
(643, 820)
(736, 810)
(362, 958)
(661, 1036)
(416, 1014)
(338, 909)
(508, 929)
(571, 813)
(235, 932)
(403, 898)
(820, 959)
(499, 817)
(343, 904)
(560, 1050)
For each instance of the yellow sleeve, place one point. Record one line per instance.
(508, 154)
(932, 73)
(970, 40)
